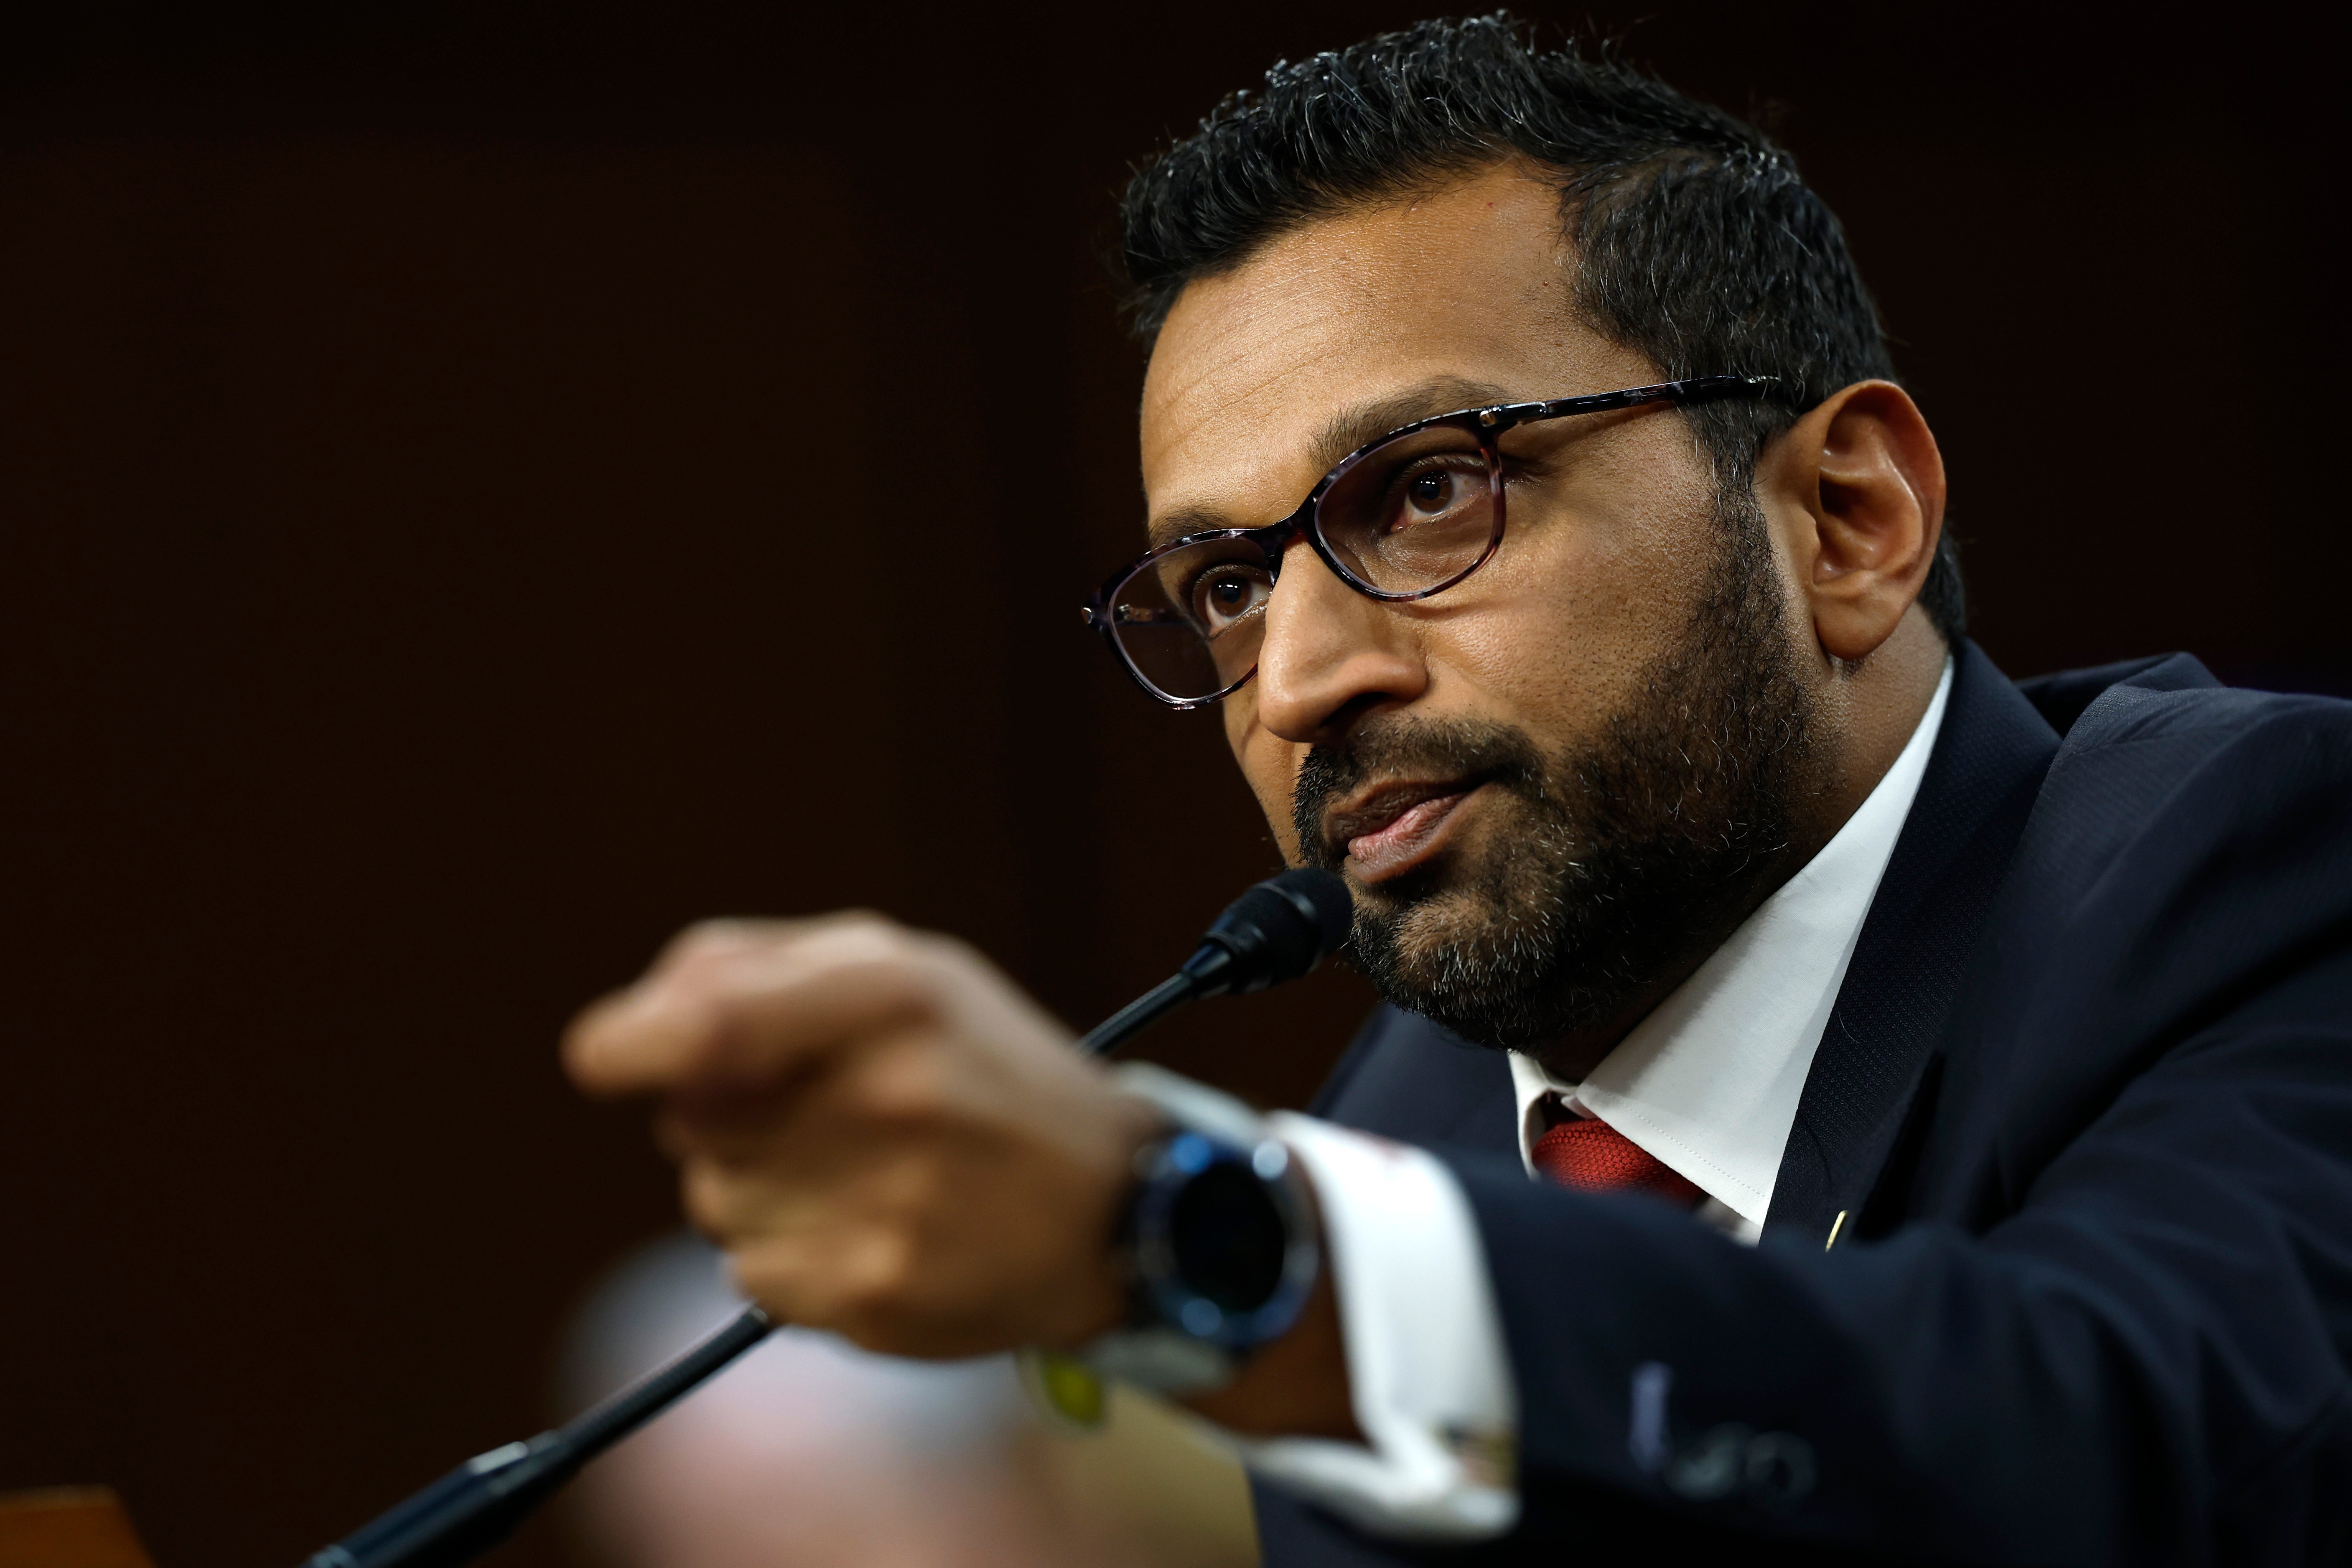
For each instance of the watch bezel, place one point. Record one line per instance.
(1169, 1166)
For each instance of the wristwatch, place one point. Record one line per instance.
(1221, 1230)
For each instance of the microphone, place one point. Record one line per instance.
(1277, 931)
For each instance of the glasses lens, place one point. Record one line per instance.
(1191, 621)
(1416, 512)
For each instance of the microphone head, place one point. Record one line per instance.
(1277, 931)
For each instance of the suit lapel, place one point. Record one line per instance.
(1408, 1079)
(1879, 1048)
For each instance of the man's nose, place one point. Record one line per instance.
(1330, 654)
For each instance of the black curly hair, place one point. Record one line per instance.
(1697, 243)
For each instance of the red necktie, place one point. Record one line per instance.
(1592, 1156)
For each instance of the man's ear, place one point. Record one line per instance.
(1859, 485)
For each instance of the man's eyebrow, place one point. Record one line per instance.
(1185, 520)
(1352, 429)
(1347, 430)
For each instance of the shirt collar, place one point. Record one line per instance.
(1709, 1083)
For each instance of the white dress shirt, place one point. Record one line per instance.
(1707, 1083)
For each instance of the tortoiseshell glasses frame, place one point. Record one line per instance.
(1401, 517)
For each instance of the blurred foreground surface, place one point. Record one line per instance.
(810, 1454)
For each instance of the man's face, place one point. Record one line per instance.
(1547, 783)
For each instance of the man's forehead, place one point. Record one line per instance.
(1266, 376)
(1345, 430)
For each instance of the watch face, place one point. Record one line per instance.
(1228, 1240)
(1224, 1244)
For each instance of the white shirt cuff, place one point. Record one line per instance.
(1426, 1361)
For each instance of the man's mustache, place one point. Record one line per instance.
(1463, 749)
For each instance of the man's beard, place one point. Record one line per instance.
(1632, 853)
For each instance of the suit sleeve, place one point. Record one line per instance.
(2144, 1364)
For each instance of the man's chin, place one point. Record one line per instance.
(1432, 920)
(1454, 957)
(1442, 929)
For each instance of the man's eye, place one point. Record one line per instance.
(1426, 495)
(1223, 596)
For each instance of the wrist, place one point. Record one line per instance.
(1101, 1302)
(1295, 1388)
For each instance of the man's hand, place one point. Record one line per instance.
(888, 1139)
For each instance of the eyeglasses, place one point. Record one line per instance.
(1399, 518)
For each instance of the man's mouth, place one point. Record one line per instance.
(1397, 827)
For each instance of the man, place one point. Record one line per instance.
(1945, 1086)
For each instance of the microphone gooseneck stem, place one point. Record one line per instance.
(479, 1504)
(1132, 1019)
(598, 1428)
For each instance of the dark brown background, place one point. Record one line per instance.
(486, 484)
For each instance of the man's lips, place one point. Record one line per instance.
(1399, 827)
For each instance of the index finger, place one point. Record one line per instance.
(752, 1015)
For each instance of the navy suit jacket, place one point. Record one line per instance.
(2085, 1103)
